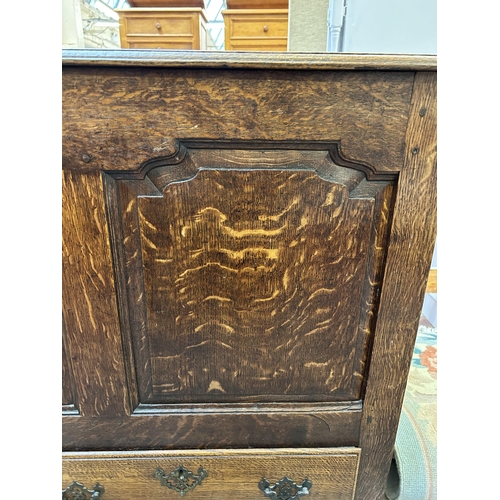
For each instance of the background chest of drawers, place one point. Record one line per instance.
(259, 30)
(246, 243)
(256, 25)
(163, 28)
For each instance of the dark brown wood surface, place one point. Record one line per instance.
(247, 286)
(218, 426)
(231, 474)
(93, 339)
(68, 390)
(118, 118)
(408, 261)
(245, 237)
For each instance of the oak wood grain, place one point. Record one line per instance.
(227, 273)
(116, 119)
(93, 338)
(231, 473)
(409, 258)
(217, 426)
(147, 145)
(68, 392)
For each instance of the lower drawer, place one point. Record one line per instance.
(326, 473)
(156, 42)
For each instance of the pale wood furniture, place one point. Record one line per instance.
(256, 29)
(163, 28)
(432, 282)
(167, 3)
(246, 245)
(257, 4)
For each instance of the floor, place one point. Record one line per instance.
(425, 322)
(393, 478)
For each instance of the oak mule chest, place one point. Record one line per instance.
(246, 241)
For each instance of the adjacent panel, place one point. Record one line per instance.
(92, 335)
(249, 275)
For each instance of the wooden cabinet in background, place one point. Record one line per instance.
(163, 28)
(246, 244)
(256, 29)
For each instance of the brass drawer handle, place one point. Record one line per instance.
(285, 489)
(158, 26)
(266, 29)
(76, 491)
(181, 480)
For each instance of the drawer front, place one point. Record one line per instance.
(152, 43)
(262, 26)
(324, 474)
(157, 24)
(257, 4)
(276, 45)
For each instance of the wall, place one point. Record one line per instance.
(89, 24)
(72, 31)
(307, 27)
(394, 27)
(390, 26)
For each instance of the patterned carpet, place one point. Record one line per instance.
(415, 451)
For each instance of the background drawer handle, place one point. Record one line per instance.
(285, 489)
(181, 480)
(76, 491)
(266, 29)
(158, 26)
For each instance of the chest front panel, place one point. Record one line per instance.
(245, 252)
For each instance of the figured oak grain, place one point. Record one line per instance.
(248, 309)
(213, 426)
(231, 292)
(92, 332)
(101, 103)
(135, 130)
(409, 258)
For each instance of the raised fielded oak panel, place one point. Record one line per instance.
(231, 265)
(246, 245)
